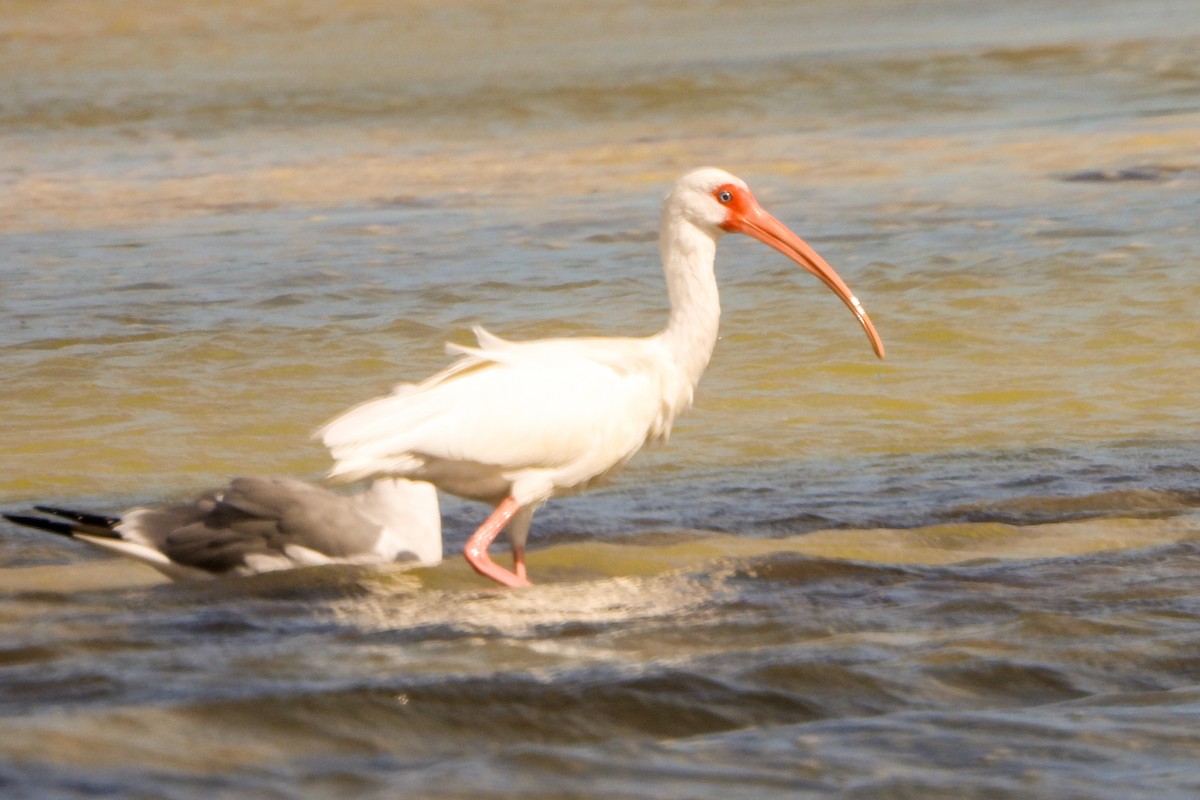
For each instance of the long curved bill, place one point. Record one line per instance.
(754, 221)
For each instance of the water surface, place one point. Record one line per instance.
(966, 571)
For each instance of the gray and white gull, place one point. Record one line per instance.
(263, 524)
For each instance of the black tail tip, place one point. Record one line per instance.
(82, 517)
(41, 524)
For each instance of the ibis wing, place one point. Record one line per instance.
(546, 405)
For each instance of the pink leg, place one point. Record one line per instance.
(476, 550)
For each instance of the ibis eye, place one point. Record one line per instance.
(724, 196)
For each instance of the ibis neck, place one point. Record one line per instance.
(688, 254)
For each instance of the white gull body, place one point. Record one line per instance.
(513, 423)
(261, 524)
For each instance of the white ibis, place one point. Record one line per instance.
(515, 423)
(262, 524)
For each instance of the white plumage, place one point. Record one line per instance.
(528, 419)
(514, 423)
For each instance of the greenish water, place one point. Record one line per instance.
(965, 571)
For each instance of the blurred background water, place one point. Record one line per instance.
(962, 572)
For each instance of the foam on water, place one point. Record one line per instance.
(967, 571)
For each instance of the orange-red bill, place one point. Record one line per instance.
(748, 217)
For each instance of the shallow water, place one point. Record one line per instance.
(966, 571)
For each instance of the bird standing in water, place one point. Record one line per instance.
(261, 524)
(512, 423)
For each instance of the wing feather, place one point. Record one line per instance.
(549, 404)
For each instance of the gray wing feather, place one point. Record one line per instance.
(254, 516)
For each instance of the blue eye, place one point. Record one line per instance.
(725, 196)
